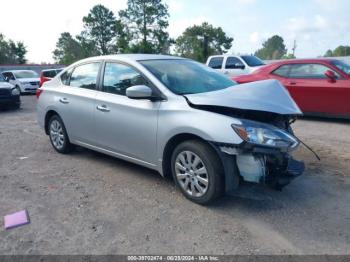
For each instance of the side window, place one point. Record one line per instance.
(65, 77)
(282, 71)
(216, 62)
(117, 78)
(233, 63)
(85, 76)
(9, 75)
(309, 71)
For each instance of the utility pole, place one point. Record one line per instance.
(294, 47)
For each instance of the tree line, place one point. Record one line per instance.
(140, 28)
(12, 52)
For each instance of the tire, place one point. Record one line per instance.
(58, 135)
(201, 179)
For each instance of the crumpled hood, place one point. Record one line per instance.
(267, 96)
(5, 85)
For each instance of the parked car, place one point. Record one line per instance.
(9, 95)
(26, 81)
(235, 65)
(48, 74)
(320, 87)
(176, 116)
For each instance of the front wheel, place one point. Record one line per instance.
(58, 135)
(198, 171)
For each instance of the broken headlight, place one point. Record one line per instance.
(266, 135)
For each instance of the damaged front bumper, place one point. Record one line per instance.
(258, 164)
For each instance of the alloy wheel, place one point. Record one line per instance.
(57, 134)
(191, 174)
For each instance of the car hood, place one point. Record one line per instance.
(29, 80)
(5, 85)
(267, 96)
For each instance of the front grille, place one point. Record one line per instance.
(34, 83)
(4, 92)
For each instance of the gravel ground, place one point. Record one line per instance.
(89, 203)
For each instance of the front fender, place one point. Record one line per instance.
(184, 119)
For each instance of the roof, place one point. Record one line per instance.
(296, 61)
(132, 57)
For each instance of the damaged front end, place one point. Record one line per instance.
(265, 156)
(266, 111)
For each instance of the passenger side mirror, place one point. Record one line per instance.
(332, 77)
(139, 92)
(7, 79)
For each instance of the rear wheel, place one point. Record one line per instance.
(198, 172)
(58, 135)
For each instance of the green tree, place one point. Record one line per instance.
(101, 29)
(329, 53)
(289, 56)
(146, 22)
(68, 50)
(198, 42)
(339, 51)
(12, 52)
(19, 50)
(273, 48)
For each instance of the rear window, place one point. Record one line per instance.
(216, 62)
(282, 71)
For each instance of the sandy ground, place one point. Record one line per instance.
(89, 203)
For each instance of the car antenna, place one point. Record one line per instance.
(311, 150)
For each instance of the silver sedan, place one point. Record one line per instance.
(175, 116)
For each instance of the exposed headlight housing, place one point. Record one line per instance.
(266, 135)
(15, 92)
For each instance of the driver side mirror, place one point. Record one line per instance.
(7, 79)
(332, 77)
(139, 92)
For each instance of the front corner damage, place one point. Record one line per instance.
(257, 164)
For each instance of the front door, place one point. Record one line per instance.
(233, 66)
(314, 92)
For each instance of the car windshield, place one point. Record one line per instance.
(342, 66)
(252, 60)
(186, 76)
(25, 74)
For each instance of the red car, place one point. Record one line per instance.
(47, 75)
(319, 86)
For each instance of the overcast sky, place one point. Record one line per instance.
(317, 25)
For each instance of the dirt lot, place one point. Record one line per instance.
(89, 203)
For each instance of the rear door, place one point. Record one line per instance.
(314, 92)
(127, 127)
(235, 67)
(77, 101)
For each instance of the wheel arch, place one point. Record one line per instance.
(228, 162)
(171, 145)
(48, 116)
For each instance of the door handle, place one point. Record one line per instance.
(226, 72)
(103, 108)
(64, 100)
(292, 83)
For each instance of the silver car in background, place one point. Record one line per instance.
(176, 116)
